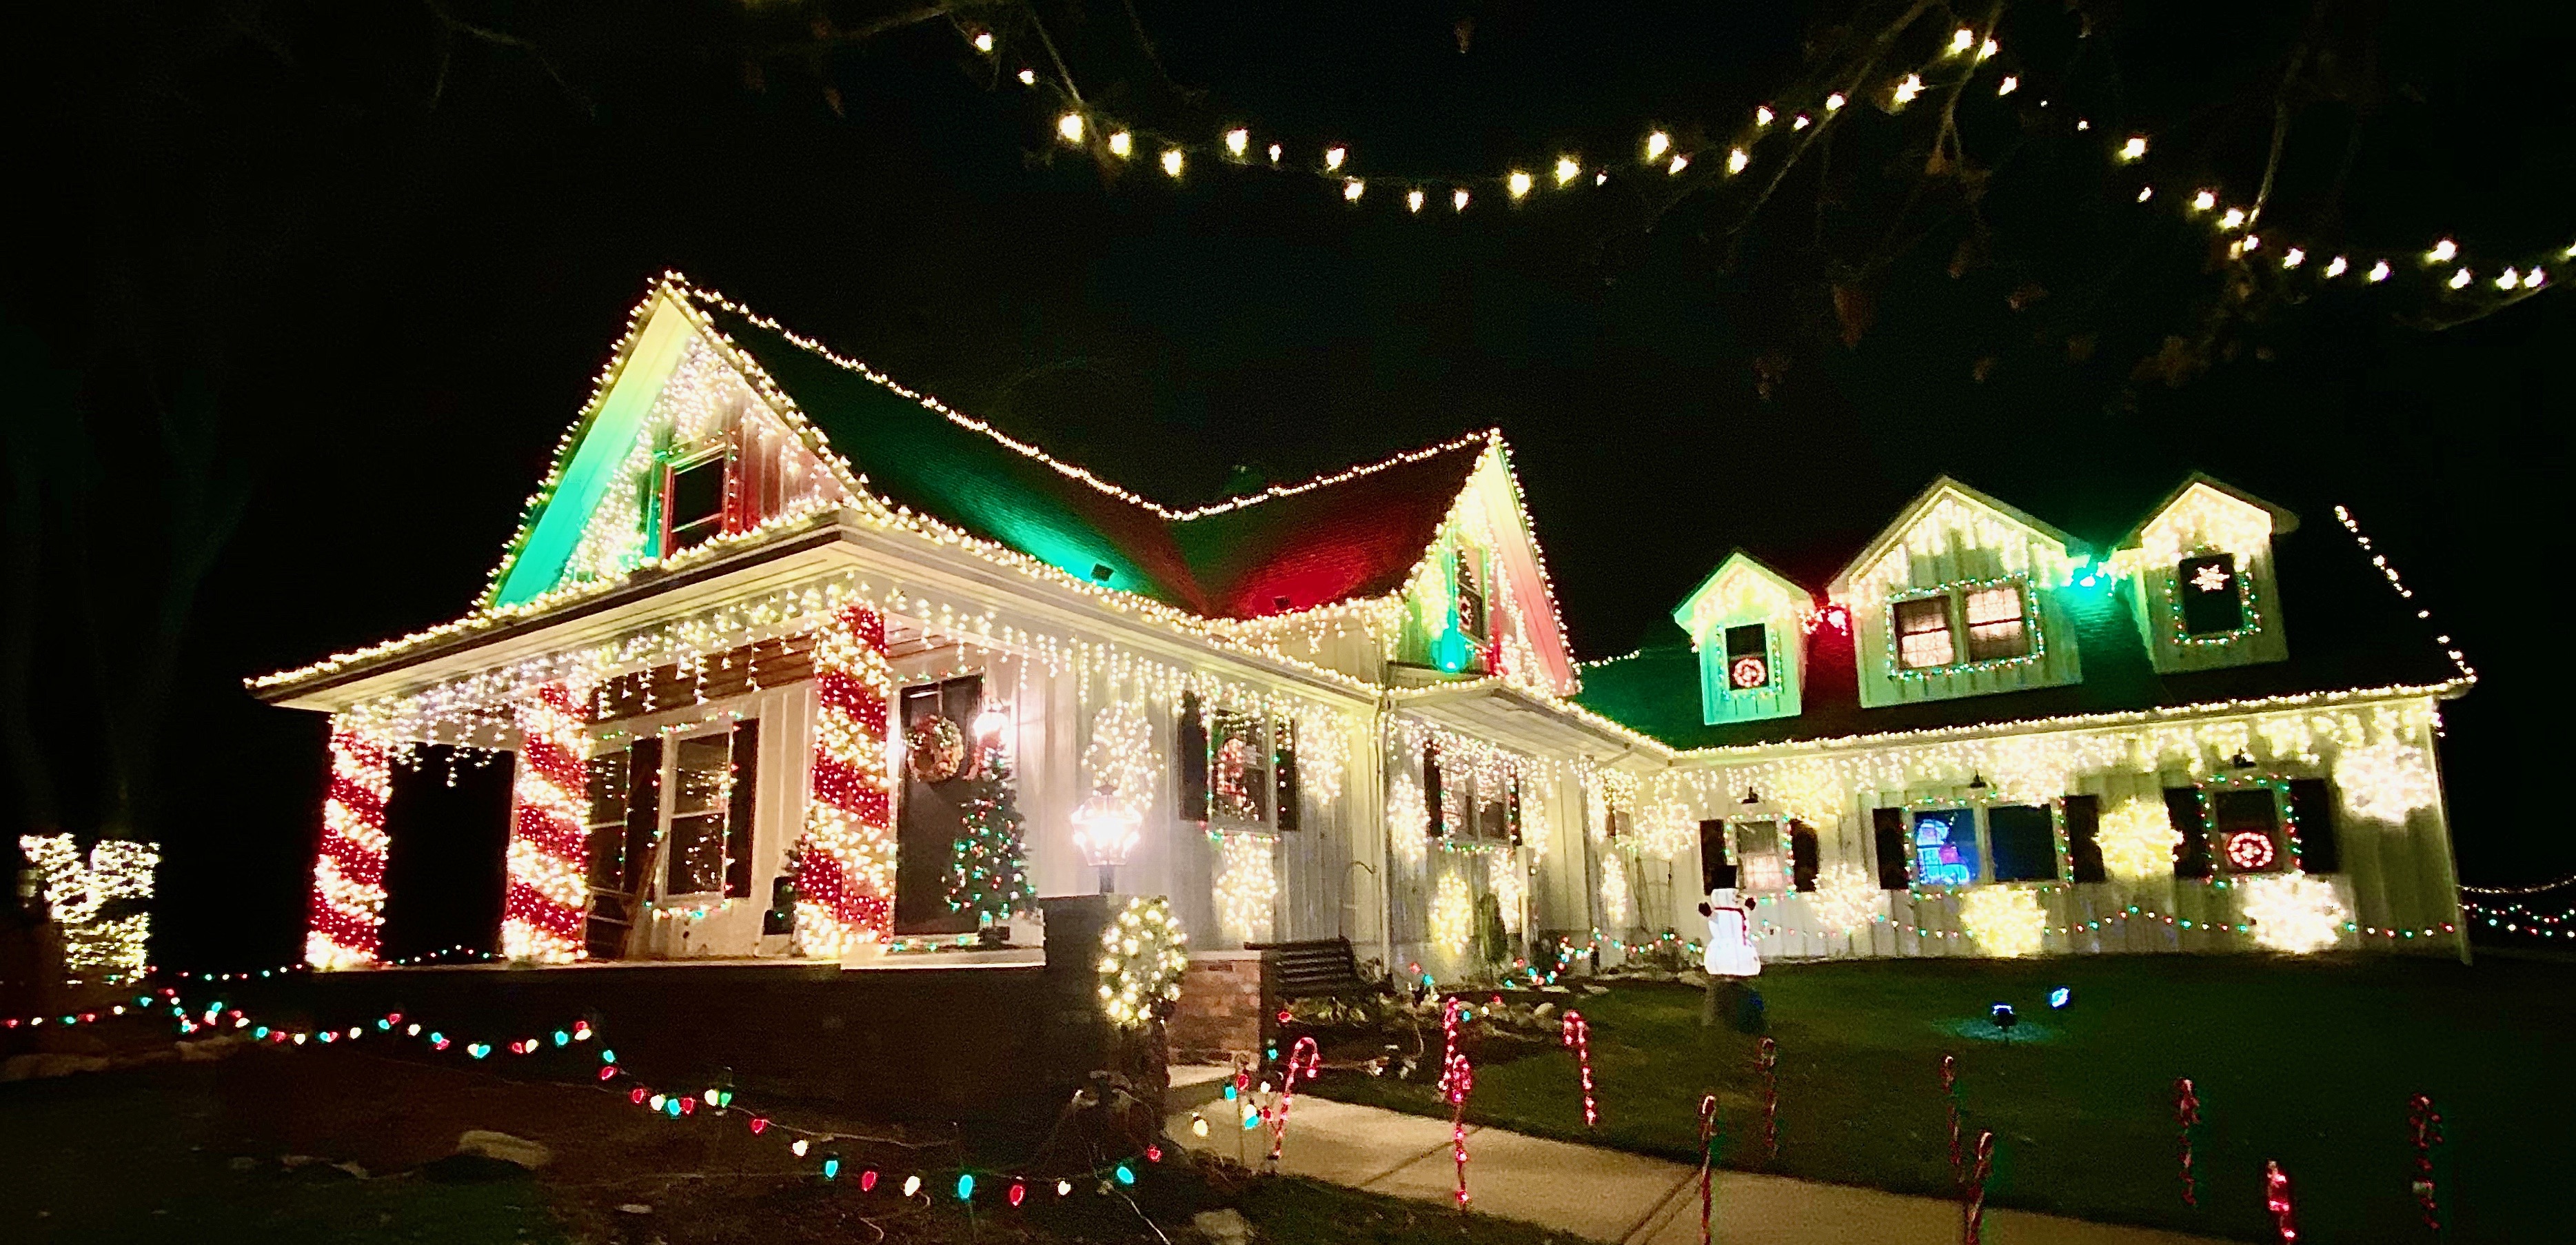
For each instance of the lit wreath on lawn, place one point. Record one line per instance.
(1142, 954)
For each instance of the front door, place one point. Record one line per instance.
(932, 812)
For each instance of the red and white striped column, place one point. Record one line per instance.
(548, 900)
(348, 900)
(845, 863)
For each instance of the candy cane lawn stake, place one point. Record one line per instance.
(2427, 1124)
(1457, 1076)
(2276, 1198)
(1303, 1059)
(1972, 1214)
(1766, 1059)
(2187, 1118)
(1707, 1161)
(1577, 1034)
(1950, 1091)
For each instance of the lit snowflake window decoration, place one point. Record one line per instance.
(1666, 830)
(1142, 954)
(1408, 819)
(2137, 839)
(1846, 899)
(1453, 914)
(2387, 780)
(2211, 577)
(1247, 886)
(2004, 920)
(2293, 912)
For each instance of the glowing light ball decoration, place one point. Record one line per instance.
(1666, 830)
(2004, 920)
(1511, 889)
(348, 900)
(2387, 780)
(2251, 850)
(543, 911)
(2137, 839)
(845, 864)
(1408, 819)
(2293, 912)
(1453, 914)
(1846, 899)
(1142, 954)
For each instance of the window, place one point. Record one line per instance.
(2083, 837)
(1996, 628)
(2249, 830)
(607, 829)
(701, 793)
(1471, 600)
(1712, 855)
(1945, 847)
(694, 503)
(2213, 598)
(2312, 810)
(2023, 840)
(1804, 860)
(1923, 633)
(1757, 857)
(1251, 776)
(1748, 657)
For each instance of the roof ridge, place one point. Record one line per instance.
(720, 301)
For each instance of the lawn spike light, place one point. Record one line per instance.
(2426, 1124)
(2061, 998)
(1972, 1212)
(1576, 1033)
(2276, 1199)
(1950, 1092)
(1304, 1059)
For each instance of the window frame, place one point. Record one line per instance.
(1770, 658)
(1279, 783)
(2289, 855)
(722, 456)
(668, 815)
(1980, 816)
(1954, 597)
(2249, 618)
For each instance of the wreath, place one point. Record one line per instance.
(934, 750)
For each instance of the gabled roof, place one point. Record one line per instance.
(1738, 565)
(1941, 488)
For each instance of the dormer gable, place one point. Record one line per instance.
(1961, 596)
(1479, 603)
(1746, 621)
(2201, 580)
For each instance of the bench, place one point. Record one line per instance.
(1312, 969)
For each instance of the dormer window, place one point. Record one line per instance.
(1471, 600)
(693, 503)
(1964, 624)
(1748, 657)
(2212, 595)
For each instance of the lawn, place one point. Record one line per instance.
(2306, 1061)
(192, 1153)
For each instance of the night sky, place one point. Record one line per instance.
(373, 267)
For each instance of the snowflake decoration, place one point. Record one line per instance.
(1121, 754)
(2294, 912)
(1453, 914)
(1247, 886)
(2137, 839)
(2387, 780)
(2211, 577)
(2003, 920)
(1846, 899)
(1408, 819)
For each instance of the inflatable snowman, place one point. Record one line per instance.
(1730, 957)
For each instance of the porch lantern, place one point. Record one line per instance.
(1104, 828)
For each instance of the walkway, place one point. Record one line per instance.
(1608, 1195)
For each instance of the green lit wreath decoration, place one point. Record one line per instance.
(1142, 954)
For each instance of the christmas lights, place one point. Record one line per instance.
(1408, 819)
(2137, 839)
(1614, 892)
(1246, 887)
(76, 893)
(348, 898)
(548, 894)
(1510, 881)
(2387, 780)
(845, 863)
(1846, 899)
(2293, 911)
(2186, 1119)
(1575, 1034)
(1142, 957)
(1457, 1077)
(1453, 914)
(2003, 920)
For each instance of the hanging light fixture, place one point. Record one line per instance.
(1752, 796)
(1977, 781)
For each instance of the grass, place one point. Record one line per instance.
(2306, 1061)
(191, 1153)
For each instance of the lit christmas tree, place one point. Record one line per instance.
(989, 877)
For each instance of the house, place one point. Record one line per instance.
(792, 663)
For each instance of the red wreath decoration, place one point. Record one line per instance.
(934, 750)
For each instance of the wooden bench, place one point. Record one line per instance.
(1313, 969)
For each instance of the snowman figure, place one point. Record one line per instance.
(1730, 956)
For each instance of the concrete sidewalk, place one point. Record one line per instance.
(1607, 1195)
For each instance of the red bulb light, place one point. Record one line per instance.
(636, 1095)
(868, 1180)
(759, 1125)
(1153, 1154)
(1018, 1192)
(609, 1073)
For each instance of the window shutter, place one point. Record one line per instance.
(1191, 741)
(2083, 837)
(1283, 739)
(1887, 832)
(1431, 787)
(2182, 807)
(1802, 857)
(1512, 810)
(643, 808)
(1712, 854)
(2312, 803)
(739, 808)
